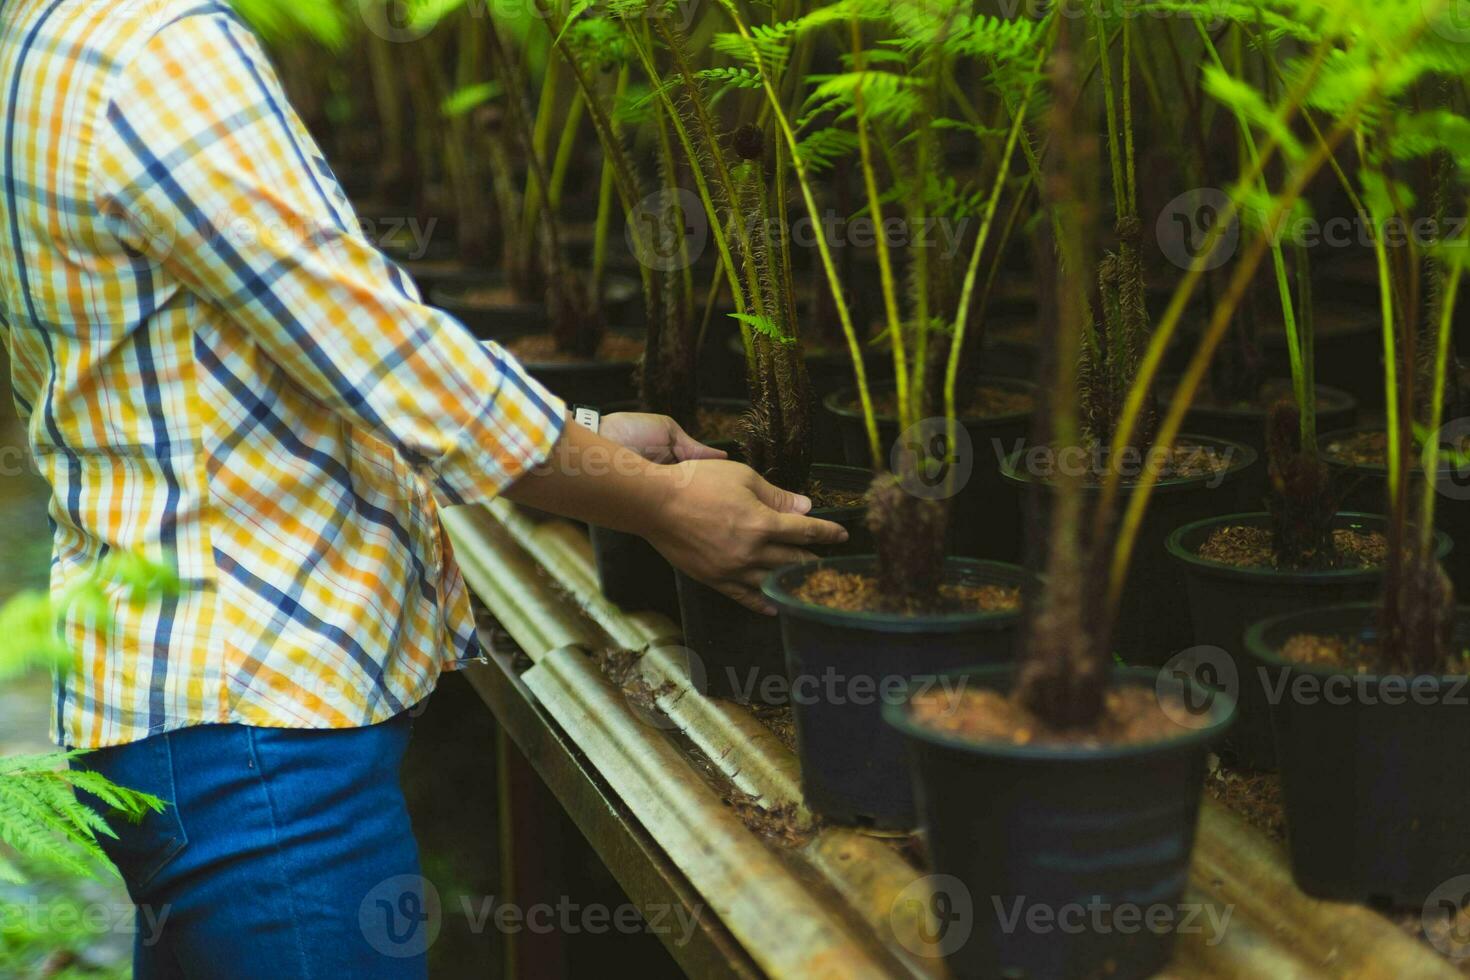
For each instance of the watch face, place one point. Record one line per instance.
(588, 418)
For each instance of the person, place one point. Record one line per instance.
(214, 365)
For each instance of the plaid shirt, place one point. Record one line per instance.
(213, 363)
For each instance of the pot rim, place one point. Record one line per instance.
(788, 604)
(1375, 469)
(1255, 643)
(1223, 706)
(836, 402)
(1174, 545)
(1345, 400)
(1242, 458)
(841, 513)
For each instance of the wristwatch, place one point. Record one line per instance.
(587, 417)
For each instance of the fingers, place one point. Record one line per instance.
(781, 501)
(806, 531)
(779, 555)
(686, 447)
(749, 598)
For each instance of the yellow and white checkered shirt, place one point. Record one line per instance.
(214, 363)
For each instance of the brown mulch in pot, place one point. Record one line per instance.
(857, 592)
(1252, 547)
(982, 402)
(1132, 714)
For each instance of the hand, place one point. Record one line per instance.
(725, 526)
(657, 438)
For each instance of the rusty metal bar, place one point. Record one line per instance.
(636, 860)
(1273, 930)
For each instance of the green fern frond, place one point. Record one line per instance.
(1426, 133)
(888, 97)
(820, 150)
(42, 820)
(1243, 98)
(764, 326)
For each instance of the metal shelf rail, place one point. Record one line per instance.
(652, 791)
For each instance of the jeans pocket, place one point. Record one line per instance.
(141, 849)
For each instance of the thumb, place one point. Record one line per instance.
(781, 501)
(686, 447)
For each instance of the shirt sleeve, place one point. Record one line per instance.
(213, 177)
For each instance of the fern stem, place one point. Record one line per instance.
(1148, 369)
(870, 419)
(997, 190)
(1220, 319)
(885, 262)
(1436, 406)
(1105, 69)
(1296, 343)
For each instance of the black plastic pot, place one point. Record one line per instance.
(1246, 424)
(842, 666)
(741, 649)
(829, 371)
(974, 530)
(1225, 599)
(1366, 487)
(1372, 767)
(630, 570)
(1153, 617)
(1063, 830)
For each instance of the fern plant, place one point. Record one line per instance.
(1356, 62)
(887, 106)
(42, 824)
(592, 46)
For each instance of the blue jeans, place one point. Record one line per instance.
(284, 854)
